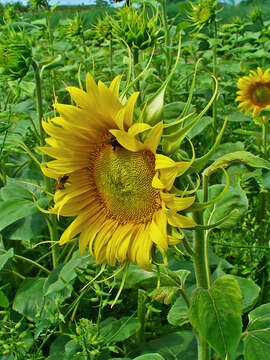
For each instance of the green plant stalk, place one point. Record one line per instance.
(262, 208)
(84, 51)
(50, 30)
(214, 107)
(48, 186)
(135, 53)
(111, 55)
(166, 35)
(141, 311)
(201, 268)
(168, 57)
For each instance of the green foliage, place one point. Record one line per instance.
(55, 304)
(216, 314)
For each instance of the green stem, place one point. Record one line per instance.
(168, 57)
(214, 108)
(48, 186)
(50, 31)
(200, 260)
(111, 55)
(166, 35)
(32, 263)
(141, 311)
(264, 138)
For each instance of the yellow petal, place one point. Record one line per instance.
(158, 230)
(138, 128)
(128, 142)
(178, 220)
(177, 203)
(114, 86)
(154, 137)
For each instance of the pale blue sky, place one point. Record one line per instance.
(53, 2)
(71, 2)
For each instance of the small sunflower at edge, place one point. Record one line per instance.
(254, 92)
(115, 185)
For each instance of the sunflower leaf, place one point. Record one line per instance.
(216, 314)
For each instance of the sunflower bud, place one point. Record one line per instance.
(39, 4)
(256, 16)
(9, 14)
(15, 56)
(136, 27)
(102, 30)
(202, 13)
(73, 27)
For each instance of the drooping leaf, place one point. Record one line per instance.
(164, 294)
(178, 314)
(242, 156)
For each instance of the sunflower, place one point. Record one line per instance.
(115, 184)
(254, 92)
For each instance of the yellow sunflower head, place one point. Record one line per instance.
(254, 92)
(115, 185)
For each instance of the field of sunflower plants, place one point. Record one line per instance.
(135, 178)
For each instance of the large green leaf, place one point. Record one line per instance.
(5, 256)
(257, 335)
(250, 292)
(29, 299)
(16, 209)
(114, 330)
(68, 273)
(216, 314)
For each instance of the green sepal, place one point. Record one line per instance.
(173, 141)
(199, 164)
(154, 107)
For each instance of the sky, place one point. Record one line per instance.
(65, 2)
(53, 2)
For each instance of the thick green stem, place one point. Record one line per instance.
(201, 267)
(48, 186)
(214, 108)
(200, 258)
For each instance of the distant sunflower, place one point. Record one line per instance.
(116, 185)
(254, 92)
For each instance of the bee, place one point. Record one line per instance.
(60, 183)
(113, 142)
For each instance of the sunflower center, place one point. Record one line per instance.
(261, 94)
(123, 180)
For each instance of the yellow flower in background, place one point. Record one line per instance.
(254, 92)
(116, 185)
